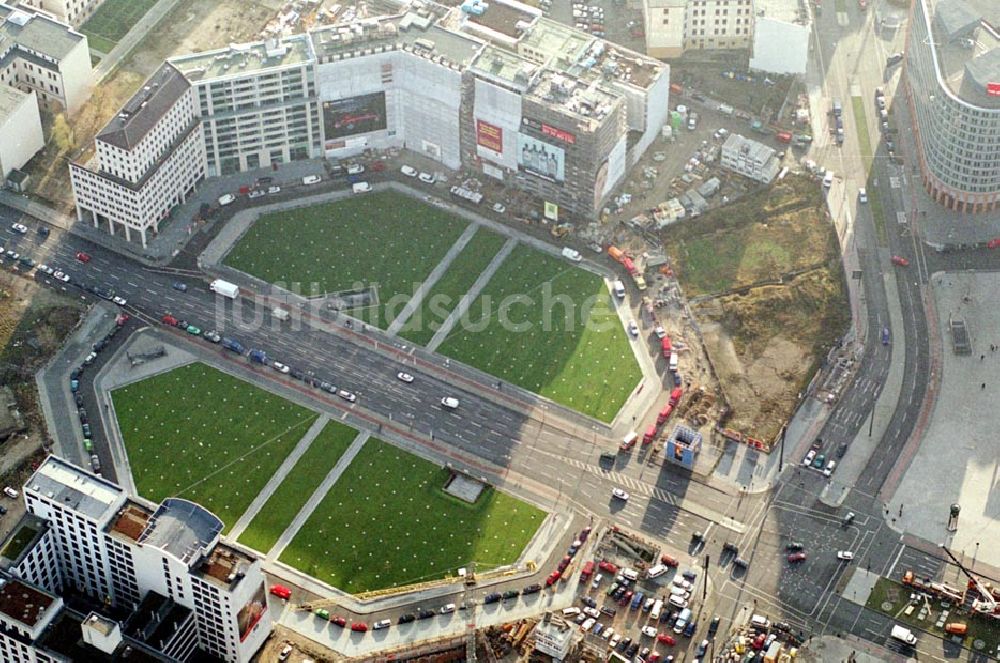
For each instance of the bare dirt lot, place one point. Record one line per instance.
(766, 285)
(193, 25)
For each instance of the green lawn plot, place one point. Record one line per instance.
(444, 296)
(576, 354)
(197, 433)
(387, 522)
(112, 21)
(310, 470)
(385, 239)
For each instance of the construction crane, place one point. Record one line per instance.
(987, 604)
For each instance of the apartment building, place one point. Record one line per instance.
(72, 12)
(951, 82)
(41, 55)
(21, 128)
(676, 26)
(165, 564)
(749, 158)
(25, 612)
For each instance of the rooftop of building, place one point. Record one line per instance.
(589, 102)
(242, 59)
(10, 100)
(966, 39)
(75, 488)
(183, 529)
(508, 18)
(782, 10)
(412, 31)
(225, 565)
(552, 40)
(131, 520)
(22, 538)
(24, 603)
(751, 148)
(63, 636)
(146, 107)
(37, 32)
(155, 620)
(505, 66)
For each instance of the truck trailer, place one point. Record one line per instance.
(224, 288)
(904, 635)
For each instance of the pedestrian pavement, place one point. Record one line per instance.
(317, 497)
(466, 301)
(418, 297)
(279, 476)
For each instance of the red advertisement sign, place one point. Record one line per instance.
(993, 89)
(489, 136)
(564, 136)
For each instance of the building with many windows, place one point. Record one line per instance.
(72, 12)
(177, 586)
(952, 85)
(676, 26)
(41, 55)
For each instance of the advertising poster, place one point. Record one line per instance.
(489, 136)
(551, 211)
(251, 613)
(355, 115)
(541, 159)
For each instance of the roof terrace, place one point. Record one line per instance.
(243, 59)
(131, 521)
(588, 101)
(24, 603)
(505, 66)
(225, 565)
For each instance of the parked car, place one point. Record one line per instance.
(19, 228)
(83, 257)
(404, 377)
(796, 557)
(620, 494)
(845, 555)
(901, 261)
(409, 171)
(179, 286)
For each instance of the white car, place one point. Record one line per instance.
(409, 171)
(281, 368)
(311, 179)
(445, 609)
(829, 468)
(45, 269)
(807, 461)
(450, 402)
(381, 624)
(118, 300)
(257, 193)
(426, 178)
(615, 640)
(619, 493)
(597, 581)
(347, 395)
(592, 612)
(682, 582)
(633, 329)
(589, 622)
(649, 631)
(273, 190)
(62, 276)
(355, 169)
(607, 633)
(404, 377)
(571, 254)
(226, 199)
(361, 187)
(862, 196)
(12, 254)
(499, 208)
(19, 228)
(845, 555)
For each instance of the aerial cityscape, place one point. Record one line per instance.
(641, 331)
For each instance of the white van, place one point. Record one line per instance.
(619, 289)
(361, 187)
(725, 109)
(630, 574)
(654, 614)
(657, 570)
(281, 313)
(760, 621)
(10, 492)
(587, 624)
(311, 179)
(630, 440)
(682, 620)
(828, 179)
(673, 361)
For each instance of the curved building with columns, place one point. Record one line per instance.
(952, 81)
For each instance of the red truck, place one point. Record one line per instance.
(650, 435)
(675, 395)
(587, 571)
(664, 414)
(784, 136)
(666, 347)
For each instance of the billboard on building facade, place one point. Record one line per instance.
(251, 613)
(993, 89)
(540, 158)
(354, 115)
(549, 130)
(489, 136)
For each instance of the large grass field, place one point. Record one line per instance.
(384, 238)
(112, 21)
(387, 522)
(577, 354)
(197, 433)
(444, 296)
(310, 470)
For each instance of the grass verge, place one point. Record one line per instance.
(868, 158)
(387, 522)
(289, 498)
(112, 21)
(438, 304)
(385, 239)
(198, 433)
(551, 328)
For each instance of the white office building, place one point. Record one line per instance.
(42, 55)
(163, 563)
(554, 636)
(676, 26)
(21, 128)
(749, 158)
(780, 38)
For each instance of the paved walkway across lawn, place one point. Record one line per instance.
(272, 485)
(418, 297)
(465, 302)
(317, 496)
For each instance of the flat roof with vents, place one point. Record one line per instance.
(24, 603)
(242, 59)
(75, 488)
(183, 529)
(146, 107)
(36, 32)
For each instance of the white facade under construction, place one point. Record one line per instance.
(749, 158)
